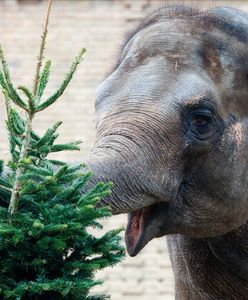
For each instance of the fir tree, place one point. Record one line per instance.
(46, 250)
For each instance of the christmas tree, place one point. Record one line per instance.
(46, 249)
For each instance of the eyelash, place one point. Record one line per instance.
(200, 121)
(201, 117)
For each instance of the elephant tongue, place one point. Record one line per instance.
(135, 231)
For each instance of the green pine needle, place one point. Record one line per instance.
(46, 207)
(65, 83)
(42, 83)
(26, 91)
(7, 83)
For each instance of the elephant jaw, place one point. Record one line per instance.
(145, 224)
(135, 232)
(141, 228)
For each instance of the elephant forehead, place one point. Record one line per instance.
(168, 63)
(153, 87)
(184, 46)
(152, 64)
(143, 84)
(169, 39)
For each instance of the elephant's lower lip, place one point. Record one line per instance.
(135, 232)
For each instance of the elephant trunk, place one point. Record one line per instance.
(131, 190)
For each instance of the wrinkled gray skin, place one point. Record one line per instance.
(172, 134)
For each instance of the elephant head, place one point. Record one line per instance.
(172, 129)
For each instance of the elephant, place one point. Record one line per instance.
(172, 135)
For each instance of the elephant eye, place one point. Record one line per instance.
(202, 123)
(201, 120)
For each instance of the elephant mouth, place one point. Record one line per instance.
(141, 228)
(134, 235)
(145, 224)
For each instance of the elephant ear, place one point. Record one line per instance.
(232, 250)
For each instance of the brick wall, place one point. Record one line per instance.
(100, 26)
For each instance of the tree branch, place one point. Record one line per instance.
(42, 48)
